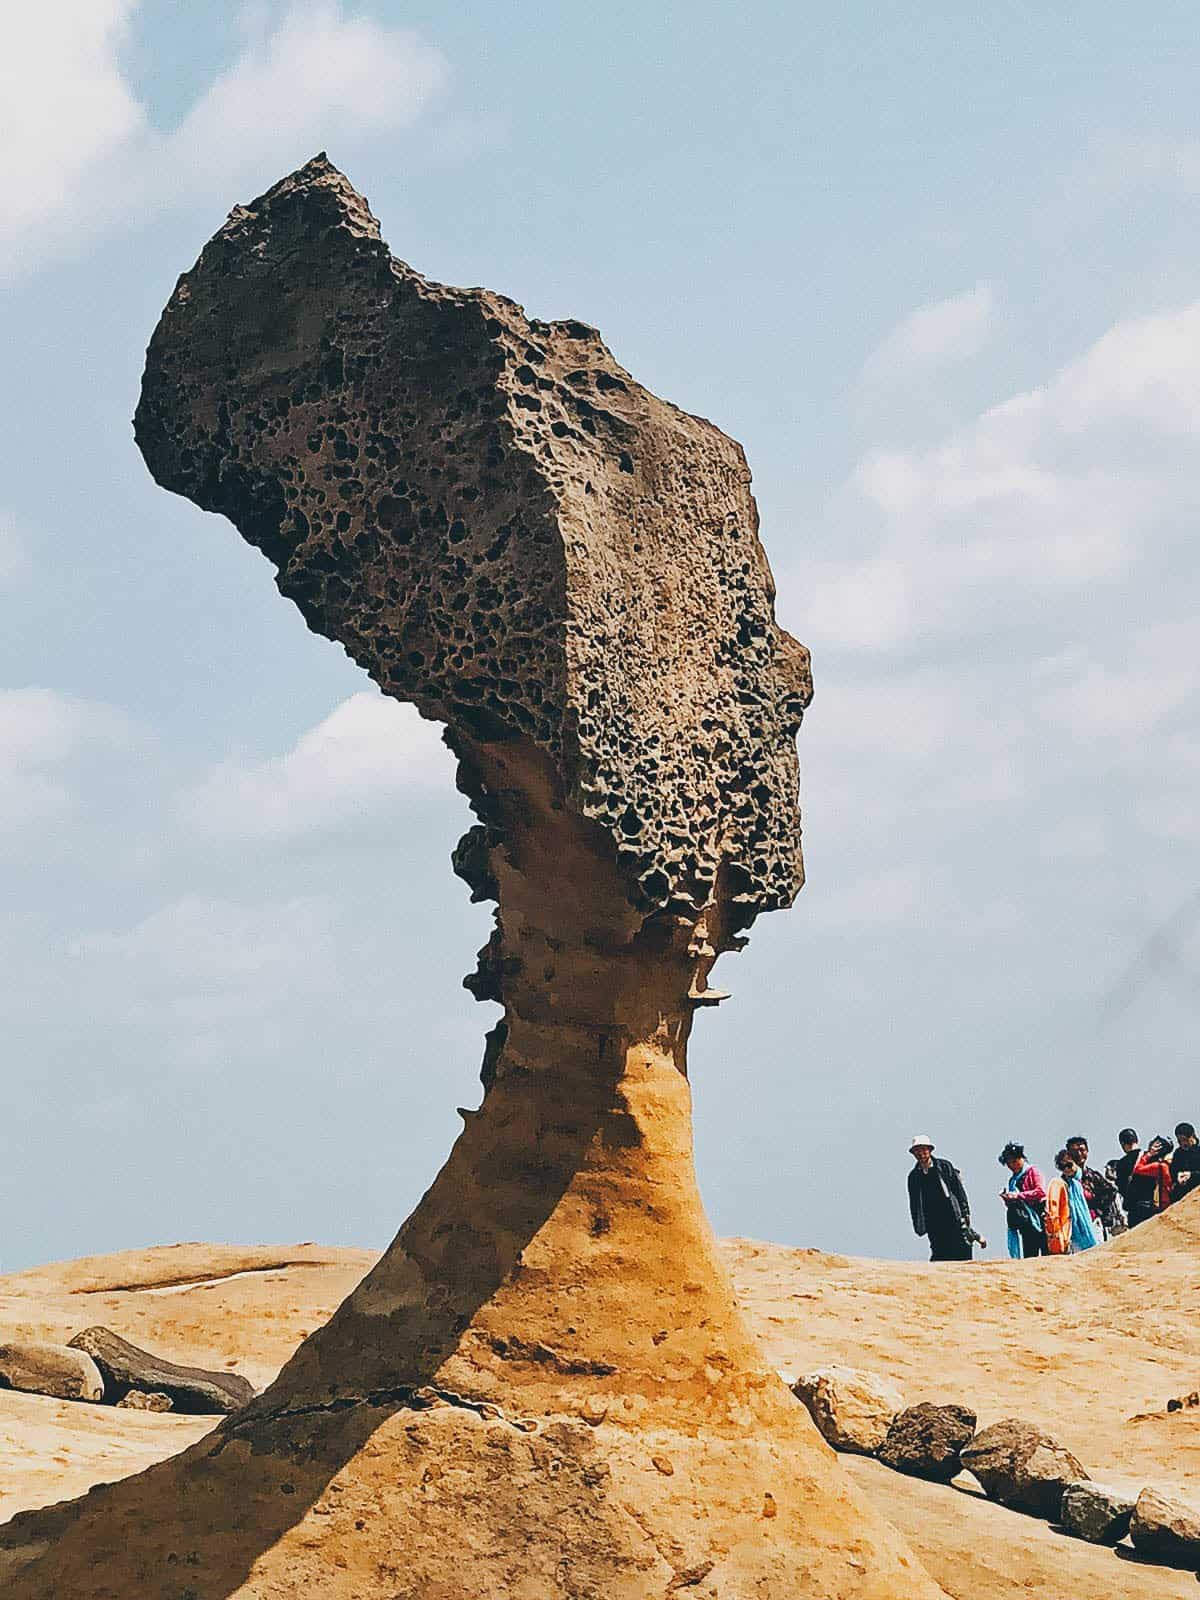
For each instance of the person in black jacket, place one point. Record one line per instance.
(1185, 1163)
(938, 1202)
(1137, 1192)
(1100, 1191)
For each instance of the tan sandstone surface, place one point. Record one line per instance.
(1091, 1348)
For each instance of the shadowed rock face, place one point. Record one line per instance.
(500, 525)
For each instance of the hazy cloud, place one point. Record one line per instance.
(206, 961)
(1060, 488)
(80, 148)
(354, 764)
(41, 731)
(933, 336)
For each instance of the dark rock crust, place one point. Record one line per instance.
(927, 1441)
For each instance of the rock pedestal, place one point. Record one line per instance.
(544, 1388)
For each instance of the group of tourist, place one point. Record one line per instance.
(1074, 1211)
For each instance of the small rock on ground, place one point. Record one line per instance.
(1094, 1512)
(1166, 1528)
(1022, 1467)
(50, 1369)
(927, 1441)
(853, 1409)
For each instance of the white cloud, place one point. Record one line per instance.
(1149, 162)
(1003, 625)
(80, 148)
(1136, 690)
(208, 961)
(933, 336)
(64, 104)
(1065, 487)
(320, 73)
(40, 733)
(354, 764)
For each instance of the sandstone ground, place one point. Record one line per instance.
(1092, 1349)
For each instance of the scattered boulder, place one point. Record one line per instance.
(1022, 1467)
(1185, 1401)
(927, 1441)
(51, 1369)
(190, 1389)
(139, 1400)
(1167, 1529)
(1094, 1512)
(853, 1409)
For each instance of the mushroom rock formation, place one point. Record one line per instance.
(545, 1387)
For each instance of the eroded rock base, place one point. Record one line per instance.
(544, 1389)
(384, 1502)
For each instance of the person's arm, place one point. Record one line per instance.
(1160, 1171)
(1103, 1188)
(1032, 1186)
(914, 1204)
(955, 1184)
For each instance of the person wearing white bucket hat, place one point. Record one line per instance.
(938, 1202)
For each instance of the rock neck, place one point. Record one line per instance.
(561, 1261)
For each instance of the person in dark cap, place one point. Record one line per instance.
(938, 1202)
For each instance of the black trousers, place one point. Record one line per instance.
(1140, 1211)
(949, 1244)
(1033, 1238)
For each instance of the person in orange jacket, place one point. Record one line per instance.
(1058, 1214)
(1069, 1225)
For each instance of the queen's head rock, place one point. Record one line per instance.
(545, 1386)
(502, 526)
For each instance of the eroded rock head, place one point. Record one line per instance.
(500, 525)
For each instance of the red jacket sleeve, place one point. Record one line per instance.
(1160, 1171)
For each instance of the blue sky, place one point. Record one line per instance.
(938, 271)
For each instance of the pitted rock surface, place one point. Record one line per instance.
(1095, 1512)
(500, 525)
(927, 1441)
